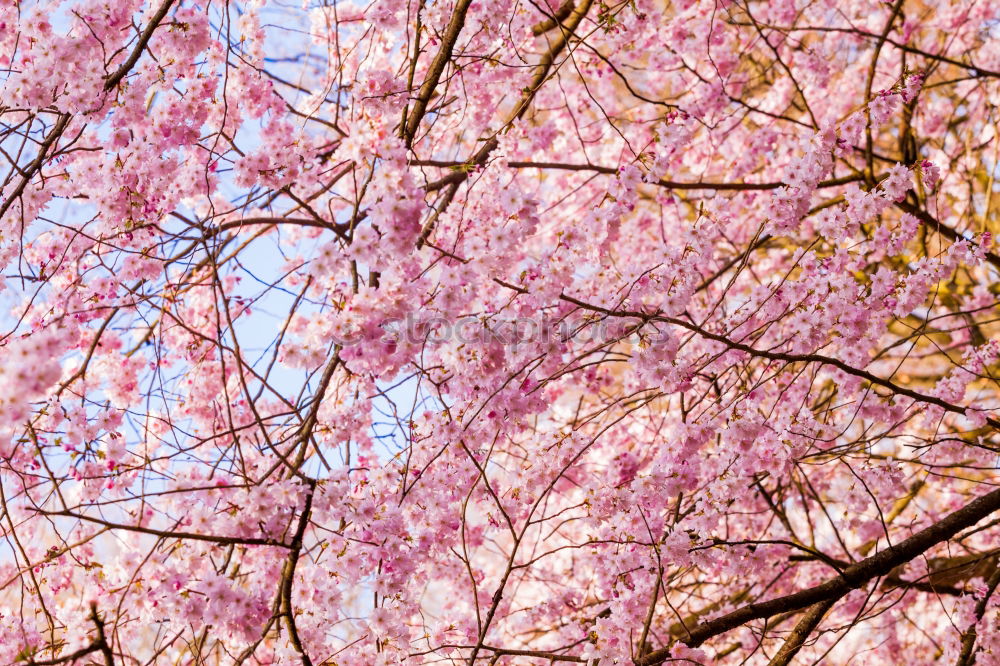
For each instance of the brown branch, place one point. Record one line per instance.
(460, 174)
(966, 657)
(537, 654)
(102, 640)
(140, 46)
(801, 632)
(166, 534)
(853, 577)
(975, 69)
(542, 70)
(70, 658)
(550, 22)
(437, 68)
(36, 164)
(783, 356)
(288, 576)
(340, 229)
(869, 80)
(100, 644)
(936, 225)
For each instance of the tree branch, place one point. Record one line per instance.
(852, 578)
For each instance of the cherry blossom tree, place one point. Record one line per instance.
(499, 332)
